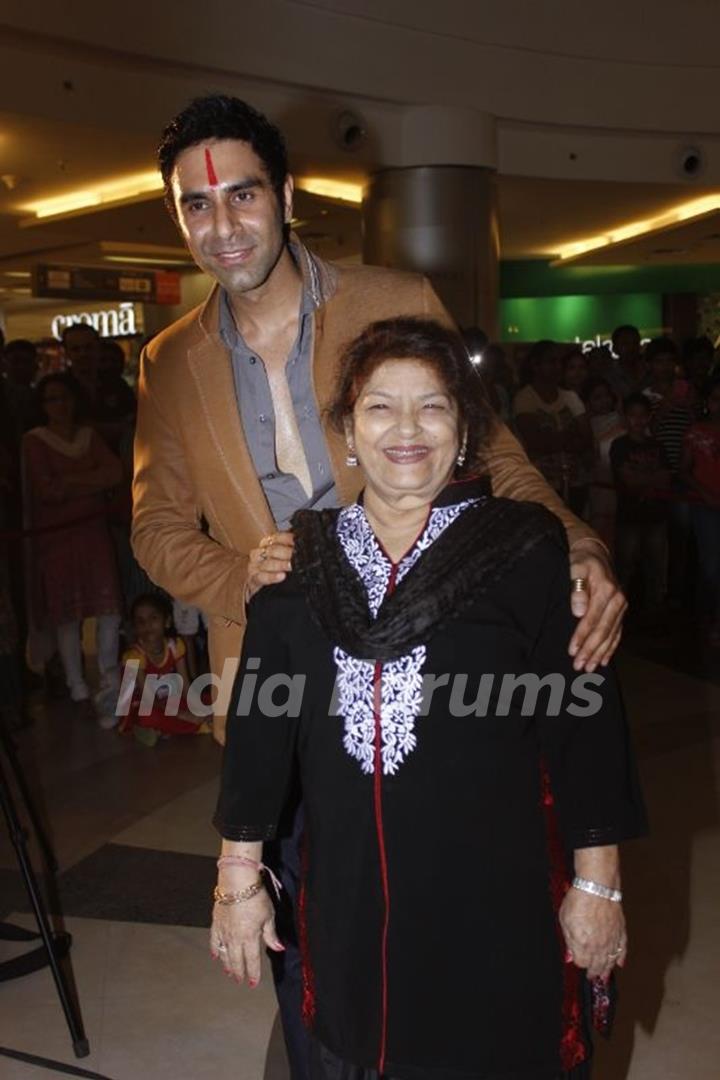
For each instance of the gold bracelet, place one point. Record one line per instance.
(237, 897)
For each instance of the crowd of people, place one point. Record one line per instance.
(65, 485)
(630, 439)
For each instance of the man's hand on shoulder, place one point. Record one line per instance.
(601, 609)
(270, 562)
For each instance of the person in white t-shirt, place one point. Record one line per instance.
(553, 426)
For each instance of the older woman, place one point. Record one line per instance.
(450, 799)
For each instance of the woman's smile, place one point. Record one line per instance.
(406, 455)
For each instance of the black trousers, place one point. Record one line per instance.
(324, 1065)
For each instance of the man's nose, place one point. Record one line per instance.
(224, 221)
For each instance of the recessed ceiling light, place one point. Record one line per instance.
(328, 188)
(107, 193)
(694, 208)
(131, 260)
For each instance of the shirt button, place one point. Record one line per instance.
(262, 418)
(321, 469)
(253, 359)
(270, 476)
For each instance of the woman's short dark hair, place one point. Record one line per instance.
(430, 342)
(58, 378)
(218, 116)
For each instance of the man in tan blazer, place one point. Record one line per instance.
(231, 437)
(193, 461)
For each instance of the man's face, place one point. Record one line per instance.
(228, 212)
(21, 367)
(663, 367)
(627, 345)
(82, 348)
(637, 418)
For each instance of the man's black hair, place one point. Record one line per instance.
(218, 116)
(71, 329)
(20, 345)
(636, 399)
(626, 328)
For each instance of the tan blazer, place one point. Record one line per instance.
(199, 508)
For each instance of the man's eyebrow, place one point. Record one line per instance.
(240, 185)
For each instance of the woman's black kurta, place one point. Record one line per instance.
(436, 855)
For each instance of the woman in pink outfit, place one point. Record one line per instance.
(68, 473)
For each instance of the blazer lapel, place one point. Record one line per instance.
(212, 372)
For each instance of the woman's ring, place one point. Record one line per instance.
(614, 955)
(262, 556)
(222, 948)
(579, 584)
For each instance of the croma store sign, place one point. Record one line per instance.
(109, 322)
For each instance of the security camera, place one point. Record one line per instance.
(349, 130)
(691, 161)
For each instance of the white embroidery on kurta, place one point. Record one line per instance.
(401, 679)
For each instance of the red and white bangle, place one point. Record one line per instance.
(243, 860)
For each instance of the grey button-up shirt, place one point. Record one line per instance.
(283, 491)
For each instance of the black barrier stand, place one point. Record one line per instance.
(55, 945)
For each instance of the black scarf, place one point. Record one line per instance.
(473, 554)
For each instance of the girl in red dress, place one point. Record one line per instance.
(157, 654)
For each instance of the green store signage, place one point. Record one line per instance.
(587, 320)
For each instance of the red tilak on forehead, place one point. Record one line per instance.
(211, 174)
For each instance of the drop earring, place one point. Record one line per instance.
(351, 459)
(460, 459)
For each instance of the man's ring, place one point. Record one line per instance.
(579, 584)
(263, 555)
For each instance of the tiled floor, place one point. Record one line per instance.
(154, 1005)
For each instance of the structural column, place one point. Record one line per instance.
(435, 211)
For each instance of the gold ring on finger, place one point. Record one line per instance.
(579, 585)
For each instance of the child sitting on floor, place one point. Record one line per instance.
(155, 654)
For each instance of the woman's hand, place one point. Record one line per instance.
(269, 563)
(238, 933)
(600, 610)
(594, 932)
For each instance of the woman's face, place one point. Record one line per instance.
(58, 404)
(405, 431)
